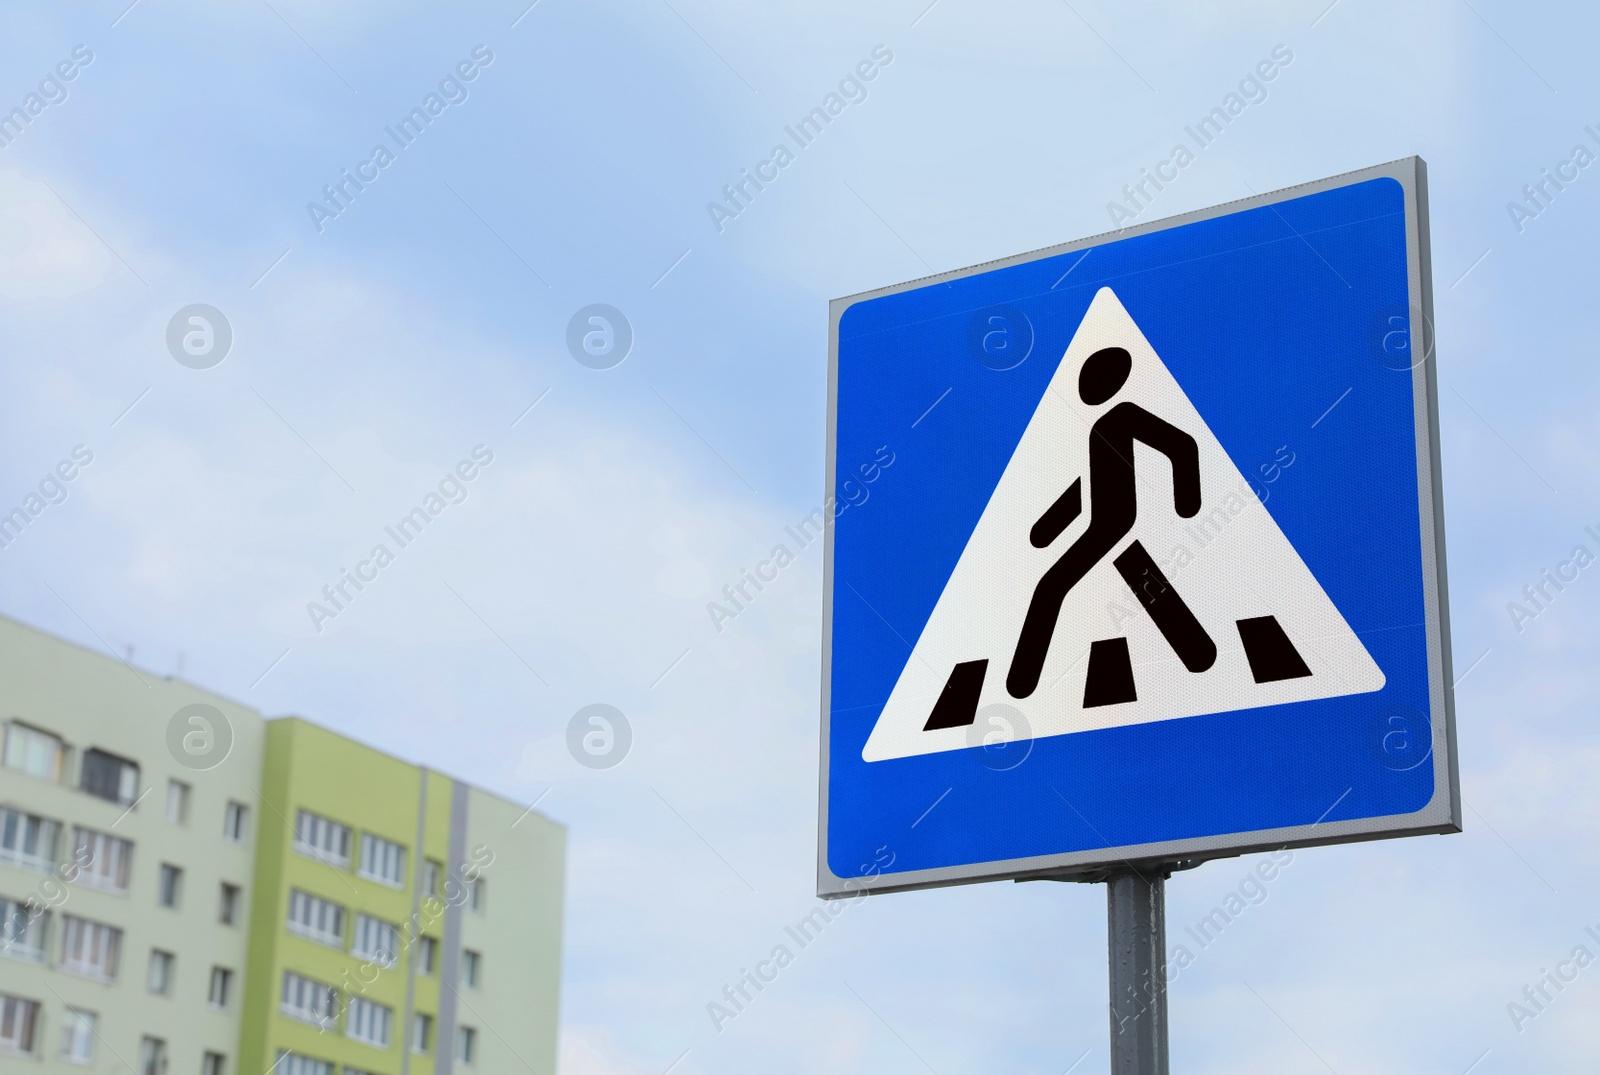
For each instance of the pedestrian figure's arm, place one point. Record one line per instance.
(1177, 446)
(1058, 516)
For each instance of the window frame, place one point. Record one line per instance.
(362, 1011)
(93, 849)
(13, 941)
(301, 1064)
(360, 937)
(174, 890)
(124, 795)
(184, 795)
(24, 1009)
(309, 1014)
(235, 821)
(379, 854)
(27, 732)
(312, 847)
(161, 957)
(21, 823)
(105, 938)
(152, 1048)
(310, 933)
(72, 1031)
(225, 975)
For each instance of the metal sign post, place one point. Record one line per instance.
(1136, 942)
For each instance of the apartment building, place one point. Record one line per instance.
(406, 923)
(125, 875)
(302, 904)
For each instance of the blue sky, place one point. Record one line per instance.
(371, 356)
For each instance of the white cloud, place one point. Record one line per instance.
(45, 251)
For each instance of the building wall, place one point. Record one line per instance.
(93, 701)
(517, 931)
(468, 833)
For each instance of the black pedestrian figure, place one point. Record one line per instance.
(1114, 508)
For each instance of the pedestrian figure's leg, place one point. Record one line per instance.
(1177, 624)
(1039, 625)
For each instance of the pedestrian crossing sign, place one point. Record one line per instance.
(1159, 573)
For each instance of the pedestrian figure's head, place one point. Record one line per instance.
(1103, 375)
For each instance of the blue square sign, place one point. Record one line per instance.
(1151, 567)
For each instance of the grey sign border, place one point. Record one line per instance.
(1441, 815)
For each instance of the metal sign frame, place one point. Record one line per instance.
(1442, 814)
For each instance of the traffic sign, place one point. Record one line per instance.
(1159, 572)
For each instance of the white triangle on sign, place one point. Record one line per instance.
(1227, 563)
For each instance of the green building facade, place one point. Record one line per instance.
(307, 906)
(391, 889)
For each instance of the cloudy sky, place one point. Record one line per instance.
(375, 348)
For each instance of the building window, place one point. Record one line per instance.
(77, 1037)
(471, 964)
(171, 885)
(34, 752)
(177, 802)
(28, 841)
(221, 989)
(466, 1044)
(295, 1064)
(233, 822)
(432, 874)
(421, 1032)
(228, 905)
(103, 860)
(152, 1056)
(316, 919)
(368, 1022)
(19, 1020)
(382, 860)
(427, 950)
(90, 949)
(212, 1063)
(161, 971)
(375, 940)
(312, 1002)
(477, 895)
(21, 933)
(108, 777)
(322, 839)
